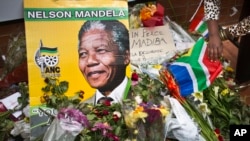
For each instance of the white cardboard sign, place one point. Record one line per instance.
(149, 44)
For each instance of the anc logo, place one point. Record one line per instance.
(47, 59)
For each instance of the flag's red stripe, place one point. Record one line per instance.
(197, 18)
(214, 68)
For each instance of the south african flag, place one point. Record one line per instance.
(194, 71)
(198, 24)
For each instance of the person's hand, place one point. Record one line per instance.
(214, 46)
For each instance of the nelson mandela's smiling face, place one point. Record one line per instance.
(99, 59)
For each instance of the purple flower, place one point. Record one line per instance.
(153, 115)
(73, 115)
(147, 105)
(104, 127)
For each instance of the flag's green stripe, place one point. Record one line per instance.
(203, 27)
(72, 14)
(195, 54)
(196, 67)
(200, 76)
(48, 50)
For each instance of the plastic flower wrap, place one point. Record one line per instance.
(67, 125)
(22, 128)
(188, 112)
(146, 116)
(106, 122)
(145, 121)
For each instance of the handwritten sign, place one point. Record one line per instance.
(150, 44)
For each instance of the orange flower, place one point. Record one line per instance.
(147, 12)
(169, 81)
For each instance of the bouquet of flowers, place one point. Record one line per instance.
(222, 100)
(147, 115)
(212, 108)
(147, 14)
(142, 118)
(80, 121)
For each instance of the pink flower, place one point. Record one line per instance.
(73, 115)
(104, 127)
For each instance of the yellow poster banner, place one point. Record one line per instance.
(58, 48)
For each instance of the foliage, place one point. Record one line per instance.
(206, 130)
(225, 103)
(55, 94)
(16, 54)
(106, 122)
(6, 118)
(134, 118)
(215, 108)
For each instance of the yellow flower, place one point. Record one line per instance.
(164, 111)
(158, 66)
(225, 92)
(139, 114)
(132, 117)
(229, 69)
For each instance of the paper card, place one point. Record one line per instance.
(11, 102)
(149, 45)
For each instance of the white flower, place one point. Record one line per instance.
(232, 93)
(226, 64)
(138, 99)
(216, 90)
(204, 108)
(118, 114)
(198, 96)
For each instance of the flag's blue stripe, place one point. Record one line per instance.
(182, 78)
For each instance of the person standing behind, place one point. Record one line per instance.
(240, 29)
(103, 57)
(212, 11)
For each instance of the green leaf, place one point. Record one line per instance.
(3, 135)
(91, 116)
